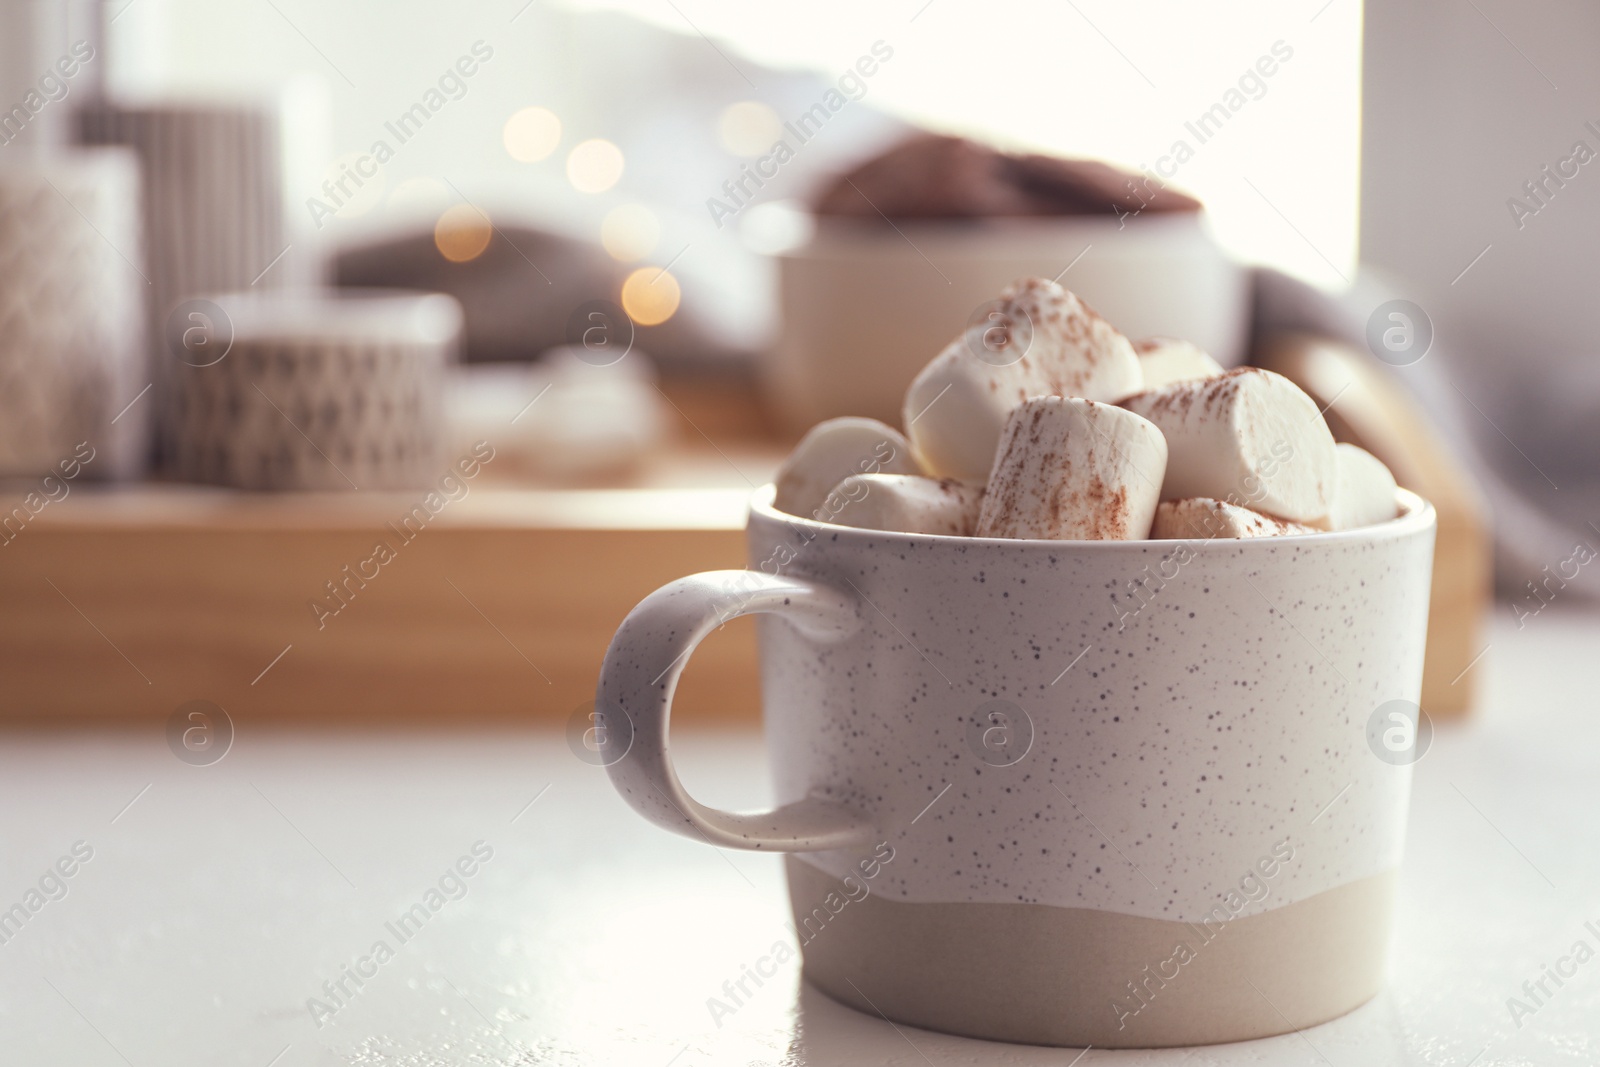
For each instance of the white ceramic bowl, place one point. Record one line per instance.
(865, 305)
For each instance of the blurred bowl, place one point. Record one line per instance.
(864, 306)
(599, 425)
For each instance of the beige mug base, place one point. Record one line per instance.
(1042, 975)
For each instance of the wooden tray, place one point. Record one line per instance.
(500, 607)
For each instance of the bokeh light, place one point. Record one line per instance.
(594, 166)
(630, 232)
(749, 128)
(650, 296)
(462, 233)
(531, 134)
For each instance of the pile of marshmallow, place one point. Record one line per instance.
(1042, 421)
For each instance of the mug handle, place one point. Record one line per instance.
(637, 681)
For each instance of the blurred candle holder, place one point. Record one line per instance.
(212, 208)
(313, 389)
(71, 324)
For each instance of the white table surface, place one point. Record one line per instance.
(220, 900)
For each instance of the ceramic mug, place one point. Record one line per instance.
(1128, 794)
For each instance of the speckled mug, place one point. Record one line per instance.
(1063, 793)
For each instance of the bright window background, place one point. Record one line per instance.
(1086, 77)
(1116, 80)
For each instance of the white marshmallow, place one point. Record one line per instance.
(1165, 360)
(1040, 340)
(1073, 470)
(1201, 518)
(1366, 492)
(1249, 437)
(907, 503)
(831, 452)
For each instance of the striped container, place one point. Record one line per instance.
(213, 210)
